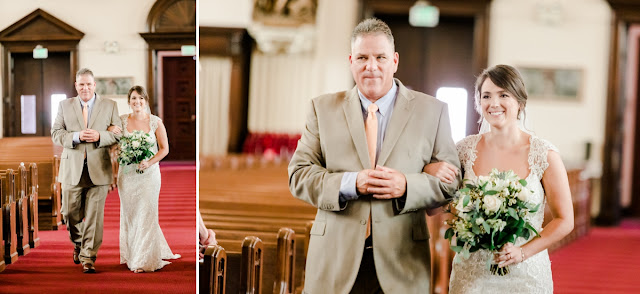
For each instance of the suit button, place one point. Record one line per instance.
(363, 222)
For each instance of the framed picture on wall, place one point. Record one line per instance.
(113, 86)
(553, 84)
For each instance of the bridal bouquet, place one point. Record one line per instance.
(135, 148)
(489, 212)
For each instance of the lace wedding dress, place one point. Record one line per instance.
(531, 276)
(142, 244)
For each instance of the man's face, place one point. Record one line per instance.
(373, 63)
(86, 87)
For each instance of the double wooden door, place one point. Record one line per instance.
(35, 82)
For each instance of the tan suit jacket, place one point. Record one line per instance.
(333, 143)
(69, 120)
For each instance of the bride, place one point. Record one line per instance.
(142, 244)
(500, 99)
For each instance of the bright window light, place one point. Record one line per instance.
(55, 101)
(456, 98)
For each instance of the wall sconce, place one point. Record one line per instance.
(111, 47)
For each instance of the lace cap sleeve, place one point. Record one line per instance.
(154, 121)
(124, 118)
(538, 155)
(466, 149)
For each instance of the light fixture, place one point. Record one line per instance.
(423, 14)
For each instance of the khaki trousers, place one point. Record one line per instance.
(83, 212)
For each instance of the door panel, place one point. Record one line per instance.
(41, 78)
(179, 106)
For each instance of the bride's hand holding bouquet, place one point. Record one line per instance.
(490, 213)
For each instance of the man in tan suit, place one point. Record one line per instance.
(370, 233)
(85, 165)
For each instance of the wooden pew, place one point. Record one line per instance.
(213, 269)
(286, 257)
(251, 271)
(22, 210)
(244, 265)
(46, 155)
(9, 216)
(32, 188)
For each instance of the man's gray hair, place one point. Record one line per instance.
(84, 71)
(371, 26)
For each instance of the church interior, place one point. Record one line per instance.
(124, 43)
(262, 61)
(232, 82)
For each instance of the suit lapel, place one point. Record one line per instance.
(78, 111)
(355, 122)
(95, 111)
(401, 113)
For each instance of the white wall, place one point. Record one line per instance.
(100, 21)
(580, 40)
(224, 13)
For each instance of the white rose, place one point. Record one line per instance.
(491, 203)
(135, 144)
(479, 221)
(525, 195)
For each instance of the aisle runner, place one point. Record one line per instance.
(50, 269)
(606, 260)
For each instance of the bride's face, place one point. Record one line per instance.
(499, 107)
(137, 102)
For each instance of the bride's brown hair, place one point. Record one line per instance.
(507, 78)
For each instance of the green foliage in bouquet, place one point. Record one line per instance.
(135, 148)
(489, 212)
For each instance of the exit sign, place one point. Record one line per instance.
(422, 14)
(188, 50)
(40, 53)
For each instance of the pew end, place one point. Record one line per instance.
(213, 269)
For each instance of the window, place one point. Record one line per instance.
(55, 101)
(456, 98)
(28, 114)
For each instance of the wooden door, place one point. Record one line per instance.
(431, 58)
(39, 79)
(179, 105)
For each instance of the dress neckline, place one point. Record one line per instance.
(475, 150)
(127, 125)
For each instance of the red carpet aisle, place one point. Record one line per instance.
(50, 269)
(607, 260)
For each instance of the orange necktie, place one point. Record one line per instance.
(85, 115)
(371, 129)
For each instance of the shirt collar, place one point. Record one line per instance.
(90, 102)
(384, 103)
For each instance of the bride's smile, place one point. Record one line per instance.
(499, 107)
